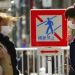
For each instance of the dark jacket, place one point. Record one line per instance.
(72, 55)
(11, 50)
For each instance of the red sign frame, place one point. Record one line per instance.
(34, 14)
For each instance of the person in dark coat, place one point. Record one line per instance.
(11, 50)
(72, 58)
(5, 20)
(70, 16)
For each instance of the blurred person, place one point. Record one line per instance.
(19, 61)
(23, 43)
(8, 61)
(1, 70)
(70, 16)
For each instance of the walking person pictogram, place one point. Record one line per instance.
(49, 28)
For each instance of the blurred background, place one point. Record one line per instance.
(21, 31)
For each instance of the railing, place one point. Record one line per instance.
(33, 61)
(28, 51)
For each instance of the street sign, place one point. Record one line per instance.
(50, 51)
(48, 27)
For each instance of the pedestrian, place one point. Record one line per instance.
(70, 15)
(8, 61)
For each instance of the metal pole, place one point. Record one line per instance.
(38, 63)
(55, 69)
(63, 61)
(44, 61)
(49, 65)
(33, 61)
(22, 64)
(59, 64)
(28, 63)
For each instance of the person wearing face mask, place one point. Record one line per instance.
(8, 60)
(70, 16)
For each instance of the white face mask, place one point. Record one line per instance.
(5, 30)
(72, 26)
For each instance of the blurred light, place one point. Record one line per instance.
(23, 36)
(47, 3)
(23, 22)
(12, 2)
(29, 53)
(34, 7)
(9, 9)
(23, 17)
(23, 5)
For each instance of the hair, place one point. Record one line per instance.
(70, 13)
(5, 18)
